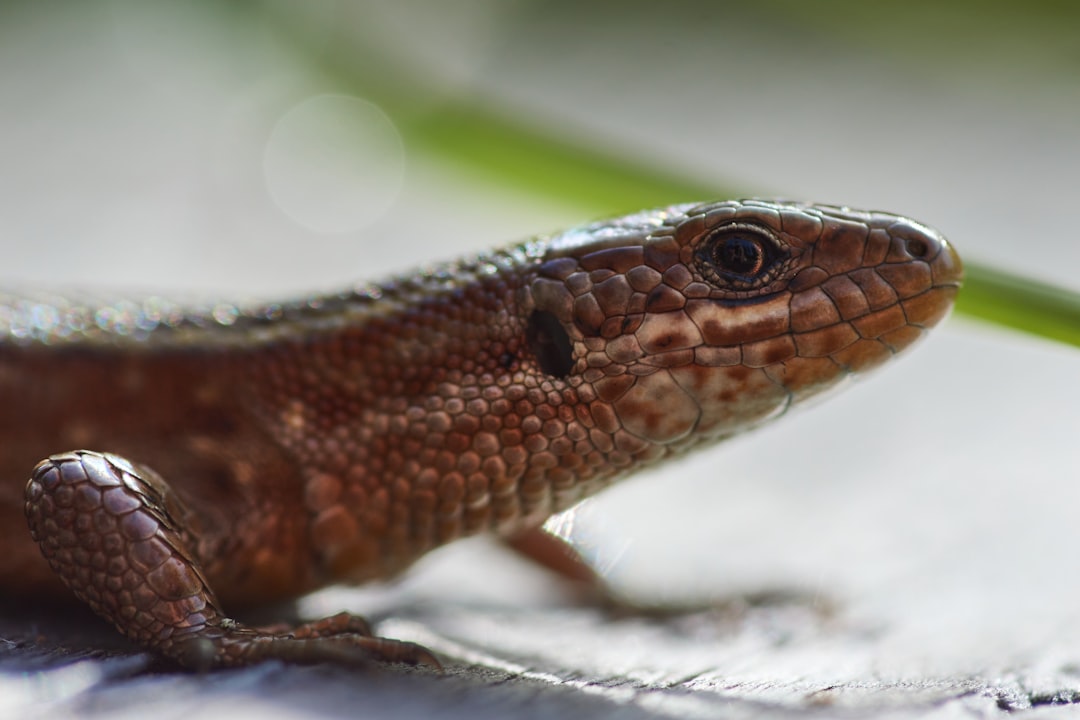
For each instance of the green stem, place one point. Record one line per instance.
(1020, 303)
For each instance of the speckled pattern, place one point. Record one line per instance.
(340, 438)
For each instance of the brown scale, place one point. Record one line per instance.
(340, 438)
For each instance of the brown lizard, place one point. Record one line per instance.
(339, 438)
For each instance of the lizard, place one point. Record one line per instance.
(230, 455)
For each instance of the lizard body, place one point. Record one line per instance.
(249, 454)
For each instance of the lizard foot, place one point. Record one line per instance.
(114, 534)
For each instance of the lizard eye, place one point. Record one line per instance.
(740, 257)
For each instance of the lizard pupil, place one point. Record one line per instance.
(739, 255)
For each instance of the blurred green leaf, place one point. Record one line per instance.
(1020, 303)
(531, 160)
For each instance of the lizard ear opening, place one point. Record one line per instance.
(550, 344)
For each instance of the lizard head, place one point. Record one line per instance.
(694, 322)
(493, 391)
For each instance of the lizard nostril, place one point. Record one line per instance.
(918, 247)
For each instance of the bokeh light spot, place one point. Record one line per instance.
(334, 164)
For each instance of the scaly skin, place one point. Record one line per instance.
(340, 438)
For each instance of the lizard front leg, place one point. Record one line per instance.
(114, 533)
